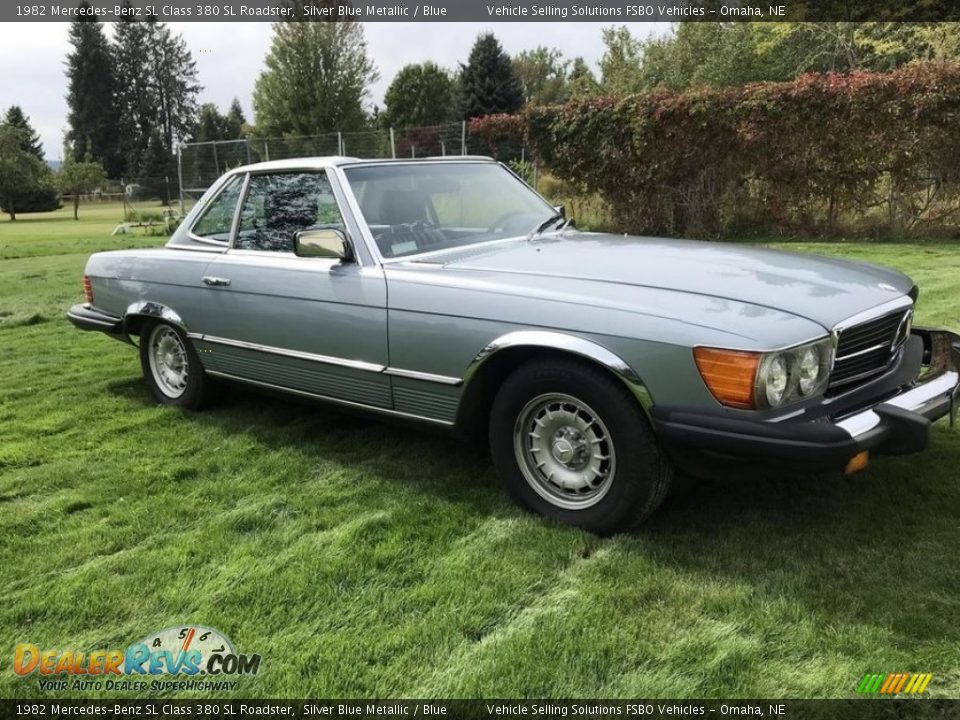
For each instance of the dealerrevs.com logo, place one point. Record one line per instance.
(201, 658)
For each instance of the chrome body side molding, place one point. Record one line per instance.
(330, 360)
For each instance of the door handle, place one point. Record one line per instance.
(215, 281)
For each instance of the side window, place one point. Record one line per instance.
(217, 220)
(280, 205)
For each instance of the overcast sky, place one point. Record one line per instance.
(230, 56)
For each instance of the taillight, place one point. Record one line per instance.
(87, 290)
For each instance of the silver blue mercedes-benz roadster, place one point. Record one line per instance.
(449, 292)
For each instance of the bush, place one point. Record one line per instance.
(43, 199)
(499, 136)
(865, 153)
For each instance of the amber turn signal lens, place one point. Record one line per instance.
(857, 463)
(87, 290)
(729, 374)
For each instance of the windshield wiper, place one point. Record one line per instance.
(552, 220)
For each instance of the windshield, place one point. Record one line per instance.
(419, 207)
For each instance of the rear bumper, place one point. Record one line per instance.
(897, 424)
(87, 318)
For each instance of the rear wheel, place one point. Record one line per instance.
(571, 443)
(171, 367)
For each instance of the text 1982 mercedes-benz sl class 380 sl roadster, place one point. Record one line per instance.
(449, 292)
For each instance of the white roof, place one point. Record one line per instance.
(337, 160)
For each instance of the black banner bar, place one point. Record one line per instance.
(486, 11)
(860, 709)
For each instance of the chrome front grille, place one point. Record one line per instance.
(868, 348)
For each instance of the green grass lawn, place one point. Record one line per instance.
(364, 559)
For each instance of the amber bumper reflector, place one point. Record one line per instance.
(857, 463)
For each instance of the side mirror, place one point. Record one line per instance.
(325, 243)
(561, 211)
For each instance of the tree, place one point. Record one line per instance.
(92, 115)
(78, 178)
(157, 89)
(543, 75)
(582, 82)
(17, 119)
(158, 166)
(315, 81)
(173, 87)
(620, 64)
(419, 95)
(210, 124)
(235, 122)
(488, 82)
(43, 197)
(135, 103)
(702, 53)
(20, 169)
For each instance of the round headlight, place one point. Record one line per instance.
(809, 369)
(775, 384)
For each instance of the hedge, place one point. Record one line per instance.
(864, 153)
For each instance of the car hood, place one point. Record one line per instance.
(823, 290)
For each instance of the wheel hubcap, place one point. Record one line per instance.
(168, 361)
(564, 451)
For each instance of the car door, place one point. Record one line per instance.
(309, 324)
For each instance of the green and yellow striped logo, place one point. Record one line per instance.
(894, 683)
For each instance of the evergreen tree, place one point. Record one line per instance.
(488, 81)
(92, 113)
(20, 169)
(315, 80)
(43, 196)
(158, 167)
(235, 122)
(210, 125)
(419, 95)
(15, 118)
(157, 89)
(173, 84)
(134, 95)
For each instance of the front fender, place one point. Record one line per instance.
(563, 342)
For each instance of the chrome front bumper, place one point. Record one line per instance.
(935, 394)
(895, 422)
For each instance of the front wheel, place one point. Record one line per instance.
(571, 443)
(171, 367)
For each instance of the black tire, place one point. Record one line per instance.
(195, 387)
(638, 477)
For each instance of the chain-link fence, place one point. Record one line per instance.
(200, 164)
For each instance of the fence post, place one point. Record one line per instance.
(339, 143)
(179, 177)
(443, 148)
(216, 162)
(463, 137)
(393, 145)
(266, 150)
(247, 142)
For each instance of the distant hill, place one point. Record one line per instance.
(54, 164)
